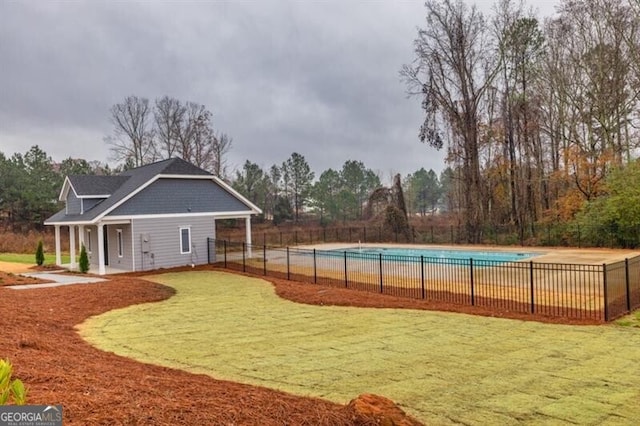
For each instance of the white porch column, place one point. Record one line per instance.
(58, 257)
(72, 246)
(101, 268)
(80, 237)
(247, 222)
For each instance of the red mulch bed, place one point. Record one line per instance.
(318, 294)
(96, 387)
(8, 278)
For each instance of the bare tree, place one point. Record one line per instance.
(132, 139)
(221, 147)
(454, 66)
(168, 114)
(186, 131)
(202, 142)
(520, 44)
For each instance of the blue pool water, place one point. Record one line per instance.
(431, 255)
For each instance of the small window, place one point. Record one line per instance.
(89, 240)
(185, 240)
(120, 243)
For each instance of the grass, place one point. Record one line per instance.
(30, 259)
(631, 320)
(443, 368)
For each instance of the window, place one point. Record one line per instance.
(89, 240)
(120, 243)
(185, 240)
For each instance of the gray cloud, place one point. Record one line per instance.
(318, 78)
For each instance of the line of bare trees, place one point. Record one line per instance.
(145, 132)
(533, 115)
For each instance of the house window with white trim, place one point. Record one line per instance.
(185, 240)
(120, 243)
(89, 240)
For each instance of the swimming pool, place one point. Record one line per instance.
(434, 255)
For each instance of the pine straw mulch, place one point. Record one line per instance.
(9, 278)
(96, 387)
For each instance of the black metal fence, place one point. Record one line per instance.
(598, 292)
(565, 235)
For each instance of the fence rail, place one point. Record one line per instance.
(567, 235)
(599, 292)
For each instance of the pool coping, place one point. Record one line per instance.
(581, 256)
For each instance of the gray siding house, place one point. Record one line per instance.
(155, 216)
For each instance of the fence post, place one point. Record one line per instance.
(626, 279)
(224, 243)
(424, 295)
(606, 298)
(264, 258)
(346, 283)
(244, 265)
(264, 238)
(288, 267)
(473, 298)
(315, 270)
(533, 304)
(381, 289)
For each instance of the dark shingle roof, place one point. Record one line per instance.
(122, 185)
(86, 185)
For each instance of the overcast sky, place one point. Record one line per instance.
(317, 78)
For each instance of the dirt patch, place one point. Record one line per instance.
(14, 268)
(97, 387)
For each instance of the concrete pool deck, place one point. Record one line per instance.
(580, 256)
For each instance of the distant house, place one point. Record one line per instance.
(155, 216)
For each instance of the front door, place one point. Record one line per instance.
(106, 245)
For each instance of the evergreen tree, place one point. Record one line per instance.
(40, 254)
(83, 262)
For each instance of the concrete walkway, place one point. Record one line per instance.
(58, 279)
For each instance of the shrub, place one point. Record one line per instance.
(84, 260)
(14, 389)
(40, 254)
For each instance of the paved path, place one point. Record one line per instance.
(57, 278)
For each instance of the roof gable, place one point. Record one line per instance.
(176, 196)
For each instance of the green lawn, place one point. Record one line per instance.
(443, 368)
(49, 258)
